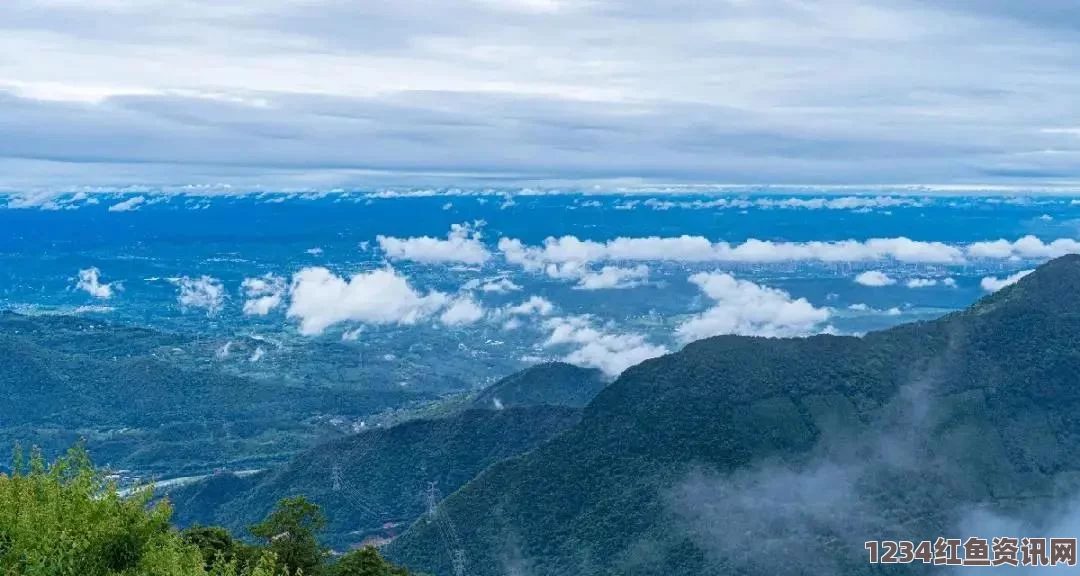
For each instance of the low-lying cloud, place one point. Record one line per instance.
(462, 246)
(874, 279)
(462, 311)
(993, 283)
(599, 346)
(320, 299)
(263, 294)
(203, 292)
(613, 277)
(745, 308)
(90, 282)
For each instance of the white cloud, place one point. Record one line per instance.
(314, 251)
(129, 205)
(860, 203)
(90, 282)
(537, 305)
(463, 310)
(611, 277)
(993, 284)
(598, 347)
(569, 256)
(875, 278)
(1028, 247)
(319, 299)
(204, 292)
(948, 282)
(47, 200)
(513, 315)
(569, 250)
(462, 245)
(894, 311)
(745, 308)
(263, 294)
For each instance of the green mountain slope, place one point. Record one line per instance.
(553, 384)
(376, 477)
(782, 456)
(66, 378)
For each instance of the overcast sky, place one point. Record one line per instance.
(323, 93)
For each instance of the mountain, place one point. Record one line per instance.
(750, 455)
(382, 475)
(372, 481)
(142, 402)
(552, 384)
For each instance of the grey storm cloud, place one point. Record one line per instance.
(733, 91)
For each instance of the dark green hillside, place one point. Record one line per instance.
(81, 335)
(552, 384)
(66, 378)
(379, 476)
(757, 456)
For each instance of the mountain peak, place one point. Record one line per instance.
(550, 383)
(1052, 287)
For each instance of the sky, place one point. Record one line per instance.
(328, 93)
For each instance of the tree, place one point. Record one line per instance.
(218, 547)
(65, 520)
(290, 533)
(364, 562)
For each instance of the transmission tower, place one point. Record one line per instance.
(445, 527)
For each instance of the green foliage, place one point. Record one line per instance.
(64, 519)
(364, 562)
(290, 533)
(218, 547)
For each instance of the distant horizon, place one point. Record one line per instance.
(452, 188)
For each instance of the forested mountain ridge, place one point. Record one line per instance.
(741, 455)
(378, 477)
(381, 476)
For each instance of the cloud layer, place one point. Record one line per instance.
(321, 92)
